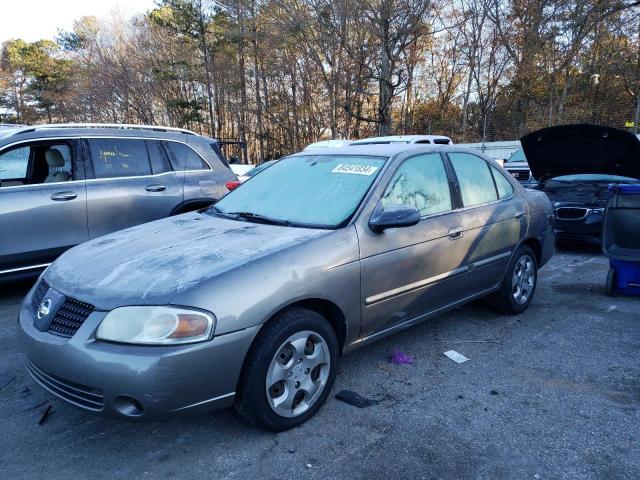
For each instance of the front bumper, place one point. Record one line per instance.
(128, 381)
(585, 230)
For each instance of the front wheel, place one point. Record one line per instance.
(519, 284)
(289, 371)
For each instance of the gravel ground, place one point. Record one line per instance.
(552, 393)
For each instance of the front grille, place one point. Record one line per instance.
(70, 317)
(38, 295)
(80, 395)
(571, 213)
(520, 174)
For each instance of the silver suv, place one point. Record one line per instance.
(61, 185)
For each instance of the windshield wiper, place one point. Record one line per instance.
(256, 217)
(249, 216)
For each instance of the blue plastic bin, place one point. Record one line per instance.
(621, 239)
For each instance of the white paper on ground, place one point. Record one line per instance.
(455, 356)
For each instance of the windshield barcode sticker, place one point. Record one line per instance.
(354, 169)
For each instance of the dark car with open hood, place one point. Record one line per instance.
(574, 165)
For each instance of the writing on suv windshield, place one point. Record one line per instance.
(320, 191)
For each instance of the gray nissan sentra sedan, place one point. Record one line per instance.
(251, 302)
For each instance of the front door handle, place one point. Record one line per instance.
(63, 196)
(456, 233)
(518, 215)
(155, 188)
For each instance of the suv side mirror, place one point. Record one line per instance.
(393, 216)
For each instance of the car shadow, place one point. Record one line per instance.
(16, 289)
(583, 248)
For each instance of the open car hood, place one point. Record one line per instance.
(580, 149)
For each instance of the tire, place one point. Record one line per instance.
(611, 283)
(511, 299)
(300, 349)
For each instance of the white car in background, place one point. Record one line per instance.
(241, 170)
(328, 144)
(407, 139)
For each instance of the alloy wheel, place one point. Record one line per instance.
(523, 280)
(298, 373)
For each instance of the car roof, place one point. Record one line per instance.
(386, 149)
(400, 139)
(29, 132)
(7, 129)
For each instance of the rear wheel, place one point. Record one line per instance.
(519, 284)
(611, 282)
(289, 371)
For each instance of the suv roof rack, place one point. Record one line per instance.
(33, 128)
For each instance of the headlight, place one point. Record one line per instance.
(599, 211)
(156, 325)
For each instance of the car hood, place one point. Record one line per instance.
(580, 149)
(154, 262)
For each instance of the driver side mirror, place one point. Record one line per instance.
(393, 216)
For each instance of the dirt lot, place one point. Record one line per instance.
(553, 393)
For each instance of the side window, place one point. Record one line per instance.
(474, 178)
(157, 157)
(505, 189)
(14, 164)
(219, 155)
(421, 182)
(36, 163)
(183, 157)
(119, 157)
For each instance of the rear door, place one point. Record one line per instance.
(493, 220)
(40, 218)
(202, 173)
(131, 183)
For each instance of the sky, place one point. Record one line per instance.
(40, 19)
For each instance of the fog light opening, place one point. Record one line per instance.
(128, 406)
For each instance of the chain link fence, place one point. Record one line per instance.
(504, 125)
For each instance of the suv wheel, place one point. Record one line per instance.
(289, 371)
(519, 284)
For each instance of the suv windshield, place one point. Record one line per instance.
(321, 191)
(517, 156)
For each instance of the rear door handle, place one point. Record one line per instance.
(63, 196)
(155, 188)
(519, 215)
(456, 233)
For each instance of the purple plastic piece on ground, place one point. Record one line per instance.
(400, 358)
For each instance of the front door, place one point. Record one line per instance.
(409, 272)
(132, 184)
(42, 202)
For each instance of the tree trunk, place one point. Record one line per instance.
(385, 85)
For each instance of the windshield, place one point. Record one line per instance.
(321, 191)
(517, 156)
(593, 177)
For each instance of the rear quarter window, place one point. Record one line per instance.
(505, 189)
(183, 157)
